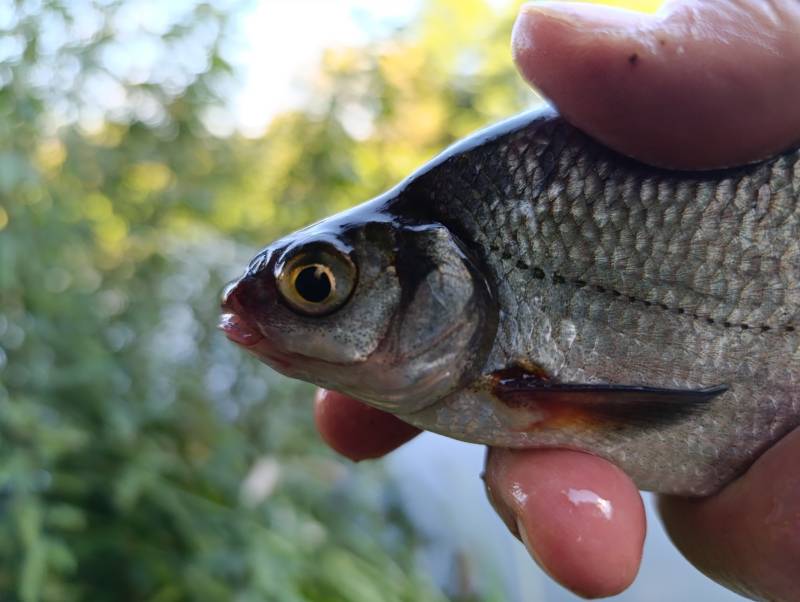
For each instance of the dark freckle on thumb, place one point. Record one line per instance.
(633, 59)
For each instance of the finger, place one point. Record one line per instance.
(356, 430)
(747, 537)
(580, 517)
(698, 85)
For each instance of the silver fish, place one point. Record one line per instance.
(532, 288)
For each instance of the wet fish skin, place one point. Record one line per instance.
(611, 271)
(603, 270)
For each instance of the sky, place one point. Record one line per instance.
(284, 40)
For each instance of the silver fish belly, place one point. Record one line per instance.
(644, 315)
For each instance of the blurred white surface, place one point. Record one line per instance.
(467, 543)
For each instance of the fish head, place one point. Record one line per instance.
(391, 312)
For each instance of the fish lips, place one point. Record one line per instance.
(246, 333)
(234, 323)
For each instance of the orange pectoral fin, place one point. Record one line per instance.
(633, 405)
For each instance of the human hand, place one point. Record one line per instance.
(701, 84)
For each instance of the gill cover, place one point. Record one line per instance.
(445, 325)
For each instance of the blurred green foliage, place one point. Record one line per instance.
(142, 457)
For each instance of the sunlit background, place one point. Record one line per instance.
(147, 149)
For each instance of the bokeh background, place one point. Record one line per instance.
(147, 150)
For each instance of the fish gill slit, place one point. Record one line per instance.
(557, 278)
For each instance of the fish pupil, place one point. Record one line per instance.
(313, 284)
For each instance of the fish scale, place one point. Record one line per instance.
(715, 230)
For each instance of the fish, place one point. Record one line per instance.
(530, 287)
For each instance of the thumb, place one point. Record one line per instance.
(696, 85)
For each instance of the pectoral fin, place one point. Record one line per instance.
(626, 404)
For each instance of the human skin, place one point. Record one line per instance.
(699, 85)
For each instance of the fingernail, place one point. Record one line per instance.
(546, 7)
(525, 539)
(503, 511)
(538, 18)
(581, 15)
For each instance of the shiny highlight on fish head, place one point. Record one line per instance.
(395, 314)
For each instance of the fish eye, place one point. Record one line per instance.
(316, 282)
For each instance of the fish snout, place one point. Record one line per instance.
(233, 321)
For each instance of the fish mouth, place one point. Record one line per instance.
(246, 334)
(238, 330)
(231, 322)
